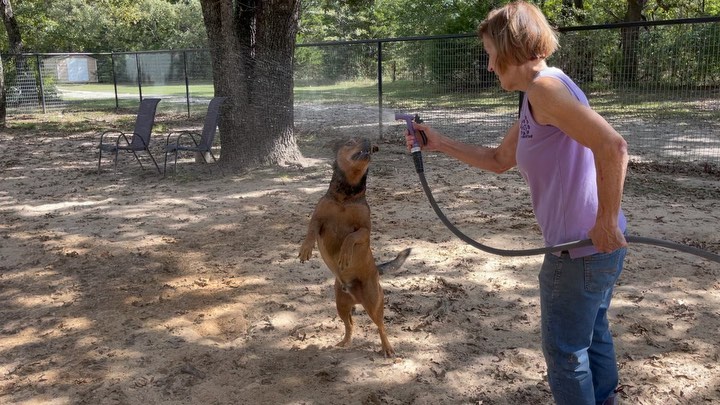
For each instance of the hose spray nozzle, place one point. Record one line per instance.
(409, 119)
(415, 150)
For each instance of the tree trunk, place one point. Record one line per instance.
(581, 66)
(252, 44)
(3, 97)
(629, 37)
(11, 26)
(15, 46)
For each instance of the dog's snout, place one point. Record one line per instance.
(366, 145)
(365, 149)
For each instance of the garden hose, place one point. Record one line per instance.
(417, 159)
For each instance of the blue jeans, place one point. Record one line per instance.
(578, 346)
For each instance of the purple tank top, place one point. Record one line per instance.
(561, 175)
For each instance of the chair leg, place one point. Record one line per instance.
(216, 163)
(99, 159)
(153, 159)
(117, 152)
(165, 164)
(138, 159)
(207, 164)
(175, 165)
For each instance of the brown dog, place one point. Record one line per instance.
(340, 225)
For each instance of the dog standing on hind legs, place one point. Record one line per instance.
(340, 225)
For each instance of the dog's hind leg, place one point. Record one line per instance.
(373, 302)
(344, 302)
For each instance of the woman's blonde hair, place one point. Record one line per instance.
(520, 33)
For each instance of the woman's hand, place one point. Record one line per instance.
(607, 239)
(428, 142)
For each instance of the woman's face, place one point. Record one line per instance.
(505, 77)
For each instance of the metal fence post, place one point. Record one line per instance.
(42, 87)
(380, 89)
(187, 82)
(112, 62)
(139, 78)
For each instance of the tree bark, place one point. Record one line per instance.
(629, 37)
(582, 65)
(11, 26)
(15, 45)
(3, 97)
(252, 45)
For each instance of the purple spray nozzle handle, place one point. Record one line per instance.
(415, 150)
(409, 122)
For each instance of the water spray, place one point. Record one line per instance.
(417, 159)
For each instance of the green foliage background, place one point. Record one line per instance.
(138, 25)
(107, 25)
(59, 26)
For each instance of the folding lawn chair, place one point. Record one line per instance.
(140, 140)
(201, 142)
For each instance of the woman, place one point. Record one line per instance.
(574, 163)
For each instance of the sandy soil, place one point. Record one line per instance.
(131, 288)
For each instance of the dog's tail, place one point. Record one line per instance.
(395, 263)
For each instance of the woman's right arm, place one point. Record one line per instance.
(496, 159)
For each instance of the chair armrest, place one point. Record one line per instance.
(116, 144)
(180, 135)
(110, 131)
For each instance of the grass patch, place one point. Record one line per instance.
(400, 93)
(74, 91)
(62, 124)
(660, 103)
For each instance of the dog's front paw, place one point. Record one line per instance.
(305, 252)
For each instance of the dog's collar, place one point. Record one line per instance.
(340, 186)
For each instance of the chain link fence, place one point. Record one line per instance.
(108, 81)
(657, 83)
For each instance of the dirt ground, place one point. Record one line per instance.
(131, 288)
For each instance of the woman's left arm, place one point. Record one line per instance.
(553, 104)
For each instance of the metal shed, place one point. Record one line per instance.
(73, 68)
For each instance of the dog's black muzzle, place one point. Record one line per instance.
(365, 151)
